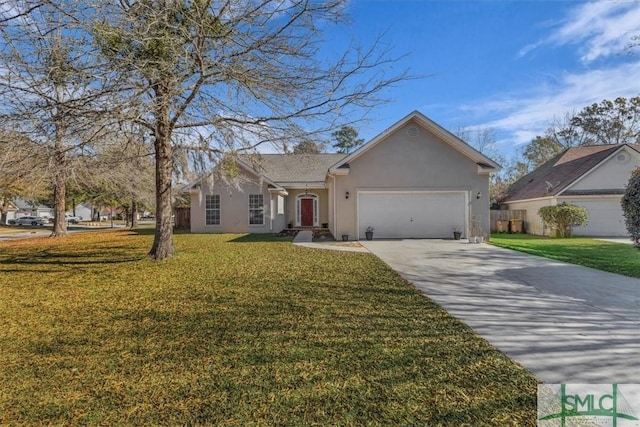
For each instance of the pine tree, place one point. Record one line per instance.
(346, 139)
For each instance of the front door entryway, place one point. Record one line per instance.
(306, 212)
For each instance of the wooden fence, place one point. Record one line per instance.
(183, 218)
(505, 215)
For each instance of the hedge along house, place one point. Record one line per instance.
(594, 177)
(414, 180)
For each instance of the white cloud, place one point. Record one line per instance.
(597, 30)
(601, 28)
(525, 115)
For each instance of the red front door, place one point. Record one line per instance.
(306, 212)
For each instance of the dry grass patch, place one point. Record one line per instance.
(235, 330)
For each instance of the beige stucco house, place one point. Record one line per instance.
(8, 212)
(594, 177)
(414, 180)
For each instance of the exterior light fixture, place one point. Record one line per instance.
(478, 195)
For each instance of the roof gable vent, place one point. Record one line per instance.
(623, 158)
(412, 131)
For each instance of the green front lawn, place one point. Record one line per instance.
(617, 258)
(235, 330)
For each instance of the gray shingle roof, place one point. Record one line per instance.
(290, 168)
(26, 204)
(558, 173)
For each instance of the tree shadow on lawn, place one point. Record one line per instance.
(146, 231)
(261, 238)
(326, 353)
(234, 237)
(279, 357)
(114, 255)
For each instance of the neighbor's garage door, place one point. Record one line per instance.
(605, 219)
(411, 214)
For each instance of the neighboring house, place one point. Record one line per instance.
(27, 208)
(594, 177)
(10, 212)
(83, 211)
(414, 180)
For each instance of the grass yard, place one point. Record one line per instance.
(617, 258)
(6, 230)
(235, 330)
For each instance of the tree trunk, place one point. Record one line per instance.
(126, 216)
(4, 209)
(163, 239)
(59, 195)
(134, 213)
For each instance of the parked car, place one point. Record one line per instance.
(68, 218)
(72, 219)
(28, 220)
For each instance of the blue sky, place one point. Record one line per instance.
(512, 66)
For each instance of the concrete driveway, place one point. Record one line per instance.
(564, 323)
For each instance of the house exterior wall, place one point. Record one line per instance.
(11, 214)
(323, 204)
(410, 163)
(605, 215)
(533, 224)
(331, 204)
(614, 173)
(234, 208)
(81, 211)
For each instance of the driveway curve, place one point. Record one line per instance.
(564, 323)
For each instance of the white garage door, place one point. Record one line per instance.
(605, 219)
(411, 214)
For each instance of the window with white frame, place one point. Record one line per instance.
(256, 209)
(212, 209)
(280, 205)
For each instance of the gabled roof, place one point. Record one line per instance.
(484, 163)
(557, 174)
(292, 168)
(11, 206)
(23, 204)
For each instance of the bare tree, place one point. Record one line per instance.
(123, 168)
(227, 76)
(19, 171)
(482, 139)
(307, 147)
(633, 45)
(51, 89)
